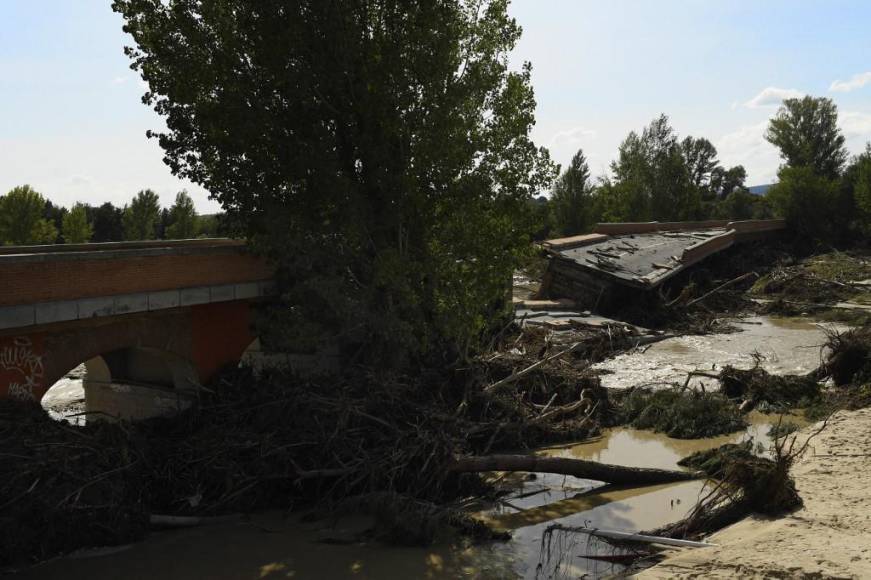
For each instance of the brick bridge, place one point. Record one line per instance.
(163, 314)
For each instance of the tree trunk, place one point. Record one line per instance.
(616, 474)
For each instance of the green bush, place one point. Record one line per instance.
(681, 414)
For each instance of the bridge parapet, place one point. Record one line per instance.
(48, 284)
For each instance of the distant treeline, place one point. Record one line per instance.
(820, 191)
(27, 217)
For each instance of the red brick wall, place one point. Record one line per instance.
(220, 333)
(22, 367)
(27, 282)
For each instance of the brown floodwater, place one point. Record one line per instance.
(786, 346)
(277, 545)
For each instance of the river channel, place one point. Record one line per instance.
(279, 545)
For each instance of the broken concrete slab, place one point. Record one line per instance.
(637, 256)
(558, 304)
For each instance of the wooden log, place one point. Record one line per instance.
(617, 474)
(633, 537)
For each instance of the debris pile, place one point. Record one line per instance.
(757, 388)
(745, 483)
(276, 441)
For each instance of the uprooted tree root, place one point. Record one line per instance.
(849, 359)
(745, 483)
(756, 387)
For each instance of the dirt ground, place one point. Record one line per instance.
(830, 537)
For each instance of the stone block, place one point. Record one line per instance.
(247, 290)
(191, 296)
(17, 316)
(163, 300)
(92, 307)
(49, 312)
(131, 303)
(222, 293)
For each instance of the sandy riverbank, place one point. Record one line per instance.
(830, 537)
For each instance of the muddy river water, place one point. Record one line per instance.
(276, 545)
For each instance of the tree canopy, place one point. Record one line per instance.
(76, 229)
(108, 223)
(377, 150)
(807, 134)
(571, 197)
(140, 217)
(21, 218)
(182, 218)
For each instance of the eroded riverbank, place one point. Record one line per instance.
(830, 537)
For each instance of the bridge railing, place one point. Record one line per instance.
(119, 246)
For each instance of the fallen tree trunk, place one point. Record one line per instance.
(617, 474)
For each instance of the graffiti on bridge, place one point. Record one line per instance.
(21, 368)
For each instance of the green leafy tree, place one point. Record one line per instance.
(738, 205)
(182, 218)
(21, 218)
(571, 197)
(140, 217)
(700, 157)
(652, 178)
(76, 229)
(54, 214)
(108, 223)
(378, 151)
(208, 226)
(808, 201)
(861, 180)
(726, 181)
(807, 134)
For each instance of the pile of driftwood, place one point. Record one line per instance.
(275, 441)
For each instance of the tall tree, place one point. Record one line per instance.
(75, 228)
(862, 189)
(378, 151)
(54, 214)
(140, 217)
(571, 197)
(700, 157)
(725, 181)
(21, 218)
(652, 178)
(807, 134)
(182, 218)
(108, 223)
(808, 201)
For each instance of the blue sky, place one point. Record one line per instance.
(72, 124)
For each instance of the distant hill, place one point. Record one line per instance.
(760, 189)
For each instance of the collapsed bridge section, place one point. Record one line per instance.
(619, 259)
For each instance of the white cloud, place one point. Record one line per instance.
(572, 137)
(747, 146)
(855, 124)
(120, 80)
(857, 81)
(772, 97)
